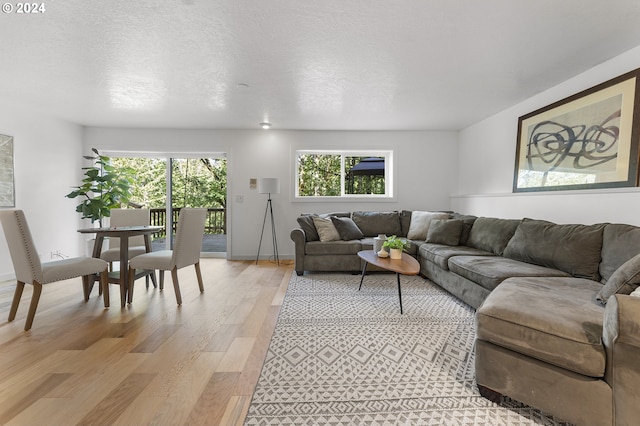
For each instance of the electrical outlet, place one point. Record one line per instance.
(58, 255)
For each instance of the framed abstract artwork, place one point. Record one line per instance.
(588, 140)
(7, 186)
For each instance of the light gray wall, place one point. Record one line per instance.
(426, 167)
(47, 162)
(487, 162)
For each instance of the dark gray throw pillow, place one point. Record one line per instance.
(623, 281)
(347, 228)
(309, 228)
(445, 231)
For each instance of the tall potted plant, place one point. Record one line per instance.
(103, 188)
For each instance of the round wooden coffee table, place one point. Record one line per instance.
(405, 266)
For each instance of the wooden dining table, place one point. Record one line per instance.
(124, 233)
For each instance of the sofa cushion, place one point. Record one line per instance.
(347, 228)
(440, 253)
(489, 271)
(420, 222)
(326, 230)
(619, 244)
(373, 223)
(333, 247)
(555, 320)
(445, 231)
(305, 221)
(405, 222)
(623, 281)
(491, 234)
(309, 228)
(574, 249)
(467, 224)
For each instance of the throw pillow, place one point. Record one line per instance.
(347, 228)
(326, 230)
(623, 281)
(445, 231)
(309, 228)
(420, 224)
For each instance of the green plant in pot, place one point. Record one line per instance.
(396, 246)
(103, 188)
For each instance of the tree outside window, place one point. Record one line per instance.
(343, 174)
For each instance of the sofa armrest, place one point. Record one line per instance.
(621, 337)
(299, 239)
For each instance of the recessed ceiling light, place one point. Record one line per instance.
(265, 125)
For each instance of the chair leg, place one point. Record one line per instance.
(104, 285)
(176, 285)
(132, 276)
(161, 272)
(35, 298)
(85, 287)
(153, 279)
(16, 300)
(123, 295)
(146, 280)
(199, 275)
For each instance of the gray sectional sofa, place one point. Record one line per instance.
(556, 328)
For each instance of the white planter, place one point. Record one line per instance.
(378, 241)
(396, 253)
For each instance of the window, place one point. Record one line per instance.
(366, 174)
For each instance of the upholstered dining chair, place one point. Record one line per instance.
(186, 252)
(29, 269)
(128, 217)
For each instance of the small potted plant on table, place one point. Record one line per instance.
(396, 246)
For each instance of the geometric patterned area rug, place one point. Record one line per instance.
(339, 356)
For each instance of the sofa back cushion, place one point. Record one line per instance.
(373, 223)
(491, 234)
(405, 222)
(574, 249)
(619, 244)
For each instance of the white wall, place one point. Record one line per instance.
(47, 162)
(426, 170)
(487, 162)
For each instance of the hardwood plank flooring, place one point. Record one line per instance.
(152, 362)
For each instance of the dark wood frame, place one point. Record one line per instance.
(628, 139)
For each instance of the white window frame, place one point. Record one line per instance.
(389, 175)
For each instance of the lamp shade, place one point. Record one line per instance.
(269, 186)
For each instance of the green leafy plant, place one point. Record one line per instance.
(103, 188)
(393, 242)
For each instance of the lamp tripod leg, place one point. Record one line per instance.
(273, 234)
(264, 221)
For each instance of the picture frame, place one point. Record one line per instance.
(7, 182)
(586, 141)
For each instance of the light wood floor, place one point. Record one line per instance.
(150, 363)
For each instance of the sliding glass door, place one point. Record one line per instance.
(166, 185)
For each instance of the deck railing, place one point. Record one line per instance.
(216, 222)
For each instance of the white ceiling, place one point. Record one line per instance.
(308, 64)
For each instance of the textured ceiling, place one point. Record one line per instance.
(301, 64)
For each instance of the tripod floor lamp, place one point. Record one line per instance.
(269, 186)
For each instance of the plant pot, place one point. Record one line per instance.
(395, 253)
